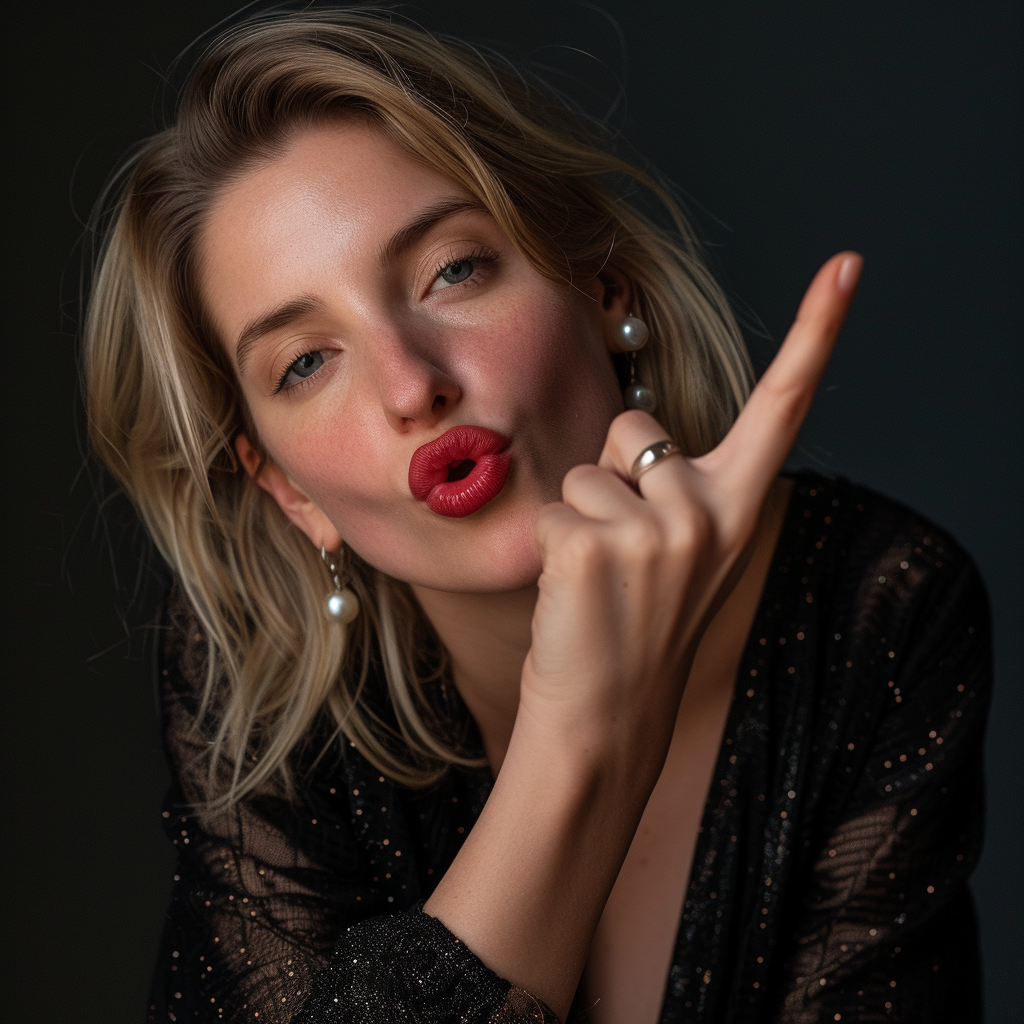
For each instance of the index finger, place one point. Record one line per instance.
(752, 453)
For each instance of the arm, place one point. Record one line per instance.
(630, 580)
(278, 912)
(629, 583)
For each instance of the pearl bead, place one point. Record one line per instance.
(633, 334)
(639, 396)
(342, 606)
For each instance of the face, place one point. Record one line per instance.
(369, 306)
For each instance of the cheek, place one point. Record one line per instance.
(547, 356)
(537, 368)
(333, 459)
(564, 384)
(336, 463)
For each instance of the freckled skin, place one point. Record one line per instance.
(601, 759)
(510, 350)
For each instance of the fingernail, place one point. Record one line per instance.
(849, 273)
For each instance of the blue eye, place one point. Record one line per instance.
(457, 272)
(471, 268)
(305, 366)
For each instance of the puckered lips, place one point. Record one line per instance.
(457, 473)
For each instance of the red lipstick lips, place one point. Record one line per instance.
(459, 472)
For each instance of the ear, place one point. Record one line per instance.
(299, 508)
(614, 294)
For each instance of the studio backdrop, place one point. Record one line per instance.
(789, 131)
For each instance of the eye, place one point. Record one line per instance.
(457, 272)
(465, 269)
(304, 367)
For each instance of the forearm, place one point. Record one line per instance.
(528, 888)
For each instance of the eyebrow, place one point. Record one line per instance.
(307, 305)
(281, 316)
(406, 237)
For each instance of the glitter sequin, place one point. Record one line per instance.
(830, 831)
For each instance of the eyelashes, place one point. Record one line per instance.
(458, 269)
(453, 265)
(305, 367)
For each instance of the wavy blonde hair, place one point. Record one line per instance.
(164, 405)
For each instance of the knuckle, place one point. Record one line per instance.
(642, 538)
(631, 419)
(584, 546)
(576, 479)
(626, 427)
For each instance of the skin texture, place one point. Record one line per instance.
(507, 349)
(573, 624)
(630, 955)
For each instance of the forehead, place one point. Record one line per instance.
(335, 193)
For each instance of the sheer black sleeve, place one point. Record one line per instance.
(286, 913)
(886, 930)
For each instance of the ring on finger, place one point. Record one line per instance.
(651, 456)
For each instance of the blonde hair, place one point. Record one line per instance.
(164, 406)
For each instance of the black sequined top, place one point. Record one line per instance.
(830, 875)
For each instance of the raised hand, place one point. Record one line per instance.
(632, 575)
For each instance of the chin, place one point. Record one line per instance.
(504, 558)
(516, 571)
(501, 559)
(507, 576)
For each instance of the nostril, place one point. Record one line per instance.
(440, 401)
(460, 470)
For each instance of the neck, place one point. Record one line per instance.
(487, 637)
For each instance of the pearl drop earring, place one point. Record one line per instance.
(341, 605)
(633, 335)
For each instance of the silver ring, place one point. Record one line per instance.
(651, 456)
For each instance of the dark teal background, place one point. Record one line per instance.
(792, 130)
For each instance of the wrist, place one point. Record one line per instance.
(588, 760)
(612, 745)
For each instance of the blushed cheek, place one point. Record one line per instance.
(333, 463)
(566, 380)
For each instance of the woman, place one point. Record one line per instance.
(362, 333)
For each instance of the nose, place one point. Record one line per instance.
(413, 385)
